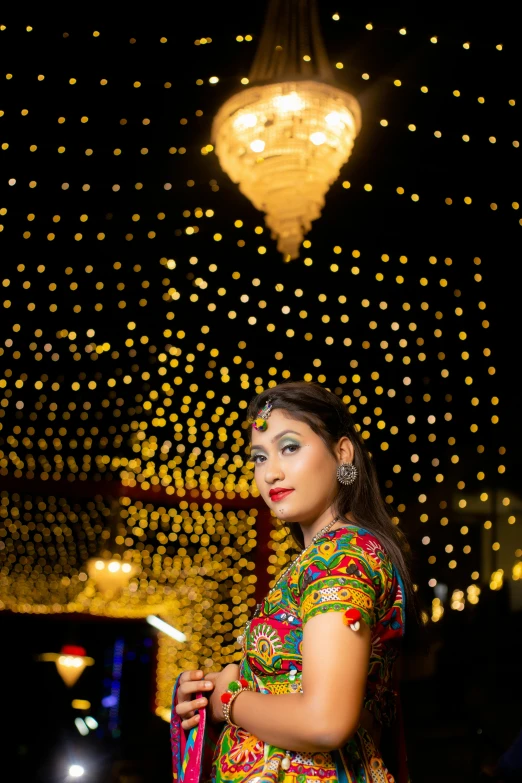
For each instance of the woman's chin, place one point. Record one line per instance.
(286, 515)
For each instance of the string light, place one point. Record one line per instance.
(130, 368)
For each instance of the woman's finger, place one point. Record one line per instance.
(194, 687)
(188, 708)
(189, 676)
(187, 693)
(183, 709)
(189, 724)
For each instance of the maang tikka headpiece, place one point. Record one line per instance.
(260, 422)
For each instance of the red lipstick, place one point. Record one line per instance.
(279, 493)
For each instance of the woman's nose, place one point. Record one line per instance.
(274, 473)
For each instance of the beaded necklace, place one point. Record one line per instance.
(242, 639)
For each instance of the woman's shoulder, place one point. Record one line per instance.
(353, 539)
(373, 558)
(367, 544)
(352, 544)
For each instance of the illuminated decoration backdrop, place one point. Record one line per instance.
(144, 303)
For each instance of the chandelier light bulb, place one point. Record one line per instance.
(257, 146)
(110, 576)
(286, 103)
(245, 121)
(70, 662)
(317, 138)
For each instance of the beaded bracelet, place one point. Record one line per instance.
(234, 689)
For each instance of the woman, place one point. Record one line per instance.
(314, 688)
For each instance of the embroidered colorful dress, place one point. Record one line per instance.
(346, 568)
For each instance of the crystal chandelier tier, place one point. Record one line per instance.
(285, 139)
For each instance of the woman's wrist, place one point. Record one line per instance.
(230, 712)
(216, 709)
(234, 689)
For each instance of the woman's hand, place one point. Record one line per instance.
(190, 683)
(224, 677)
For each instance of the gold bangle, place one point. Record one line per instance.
(227, 708)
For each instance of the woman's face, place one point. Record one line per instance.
(294, 470)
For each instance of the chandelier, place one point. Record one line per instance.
(110, 576)
(70, 662)
(285, 139)
(110, 572)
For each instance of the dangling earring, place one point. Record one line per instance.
(346, 473)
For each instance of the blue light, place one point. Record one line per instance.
(117, 664)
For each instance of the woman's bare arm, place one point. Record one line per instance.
(327, 713)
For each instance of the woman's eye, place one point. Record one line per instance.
(257, 458)
(292, 446)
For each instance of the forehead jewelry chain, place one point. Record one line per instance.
(241, 639)
(261, 421)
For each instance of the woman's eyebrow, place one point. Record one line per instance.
(276, 437)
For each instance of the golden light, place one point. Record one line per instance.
(70, 668)
(110, 576)
(497, 579)
(305, 131)
(80, 704)
(317, 138)
(473, 593)
(168, 431)
(458, 600)
(286, 103)
(70, 663)
(437, 610)
(257, 146)
(245, 121)
(302, 122)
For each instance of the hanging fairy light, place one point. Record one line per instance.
(284, 141)
(70, 662)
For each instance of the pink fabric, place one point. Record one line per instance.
(192, 750)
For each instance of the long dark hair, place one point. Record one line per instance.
(328, 416)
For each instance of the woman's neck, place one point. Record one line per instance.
(309, 531)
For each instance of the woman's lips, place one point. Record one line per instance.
(277, 496)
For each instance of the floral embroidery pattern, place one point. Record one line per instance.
(349, 569)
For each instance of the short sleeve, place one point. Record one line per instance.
(339, 574)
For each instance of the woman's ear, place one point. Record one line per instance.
(344, 450)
